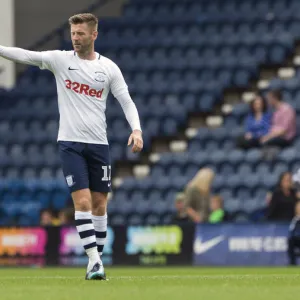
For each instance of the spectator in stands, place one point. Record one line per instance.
(258, 123)
(197, 194)
(283, 129)
(294, 236)
(65, 216)
(180, 216)
(217, 213)
(46, 217)
(282, 202)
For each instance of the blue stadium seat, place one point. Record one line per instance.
(253, 156)
(263, 169)
(232, 205)
(226, 194)
(117, 220)
(218, 182)
(226, 169)
(279, 168)
(218, 157)
(152, 219)
(236, 157)
(135, 220)
(288, 155)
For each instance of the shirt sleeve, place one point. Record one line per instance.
(21, 56)
(289, 117)
(50, 60)
(118, 85)
(129, 110)
(43, 60)
(285, 121)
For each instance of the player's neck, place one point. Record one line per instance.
(87, 55)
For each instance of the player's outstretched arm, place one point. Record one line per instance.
(21, 56)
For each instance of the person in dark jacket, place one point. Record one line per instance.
(180, 215)
(294, 236)
(282, 203)
(258, 124)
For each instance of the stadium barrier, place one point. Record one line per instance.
(241, 245)
(226, 244)
(132, 245)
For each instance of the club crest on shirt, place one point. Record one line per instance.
(100, 76)
(70, 180)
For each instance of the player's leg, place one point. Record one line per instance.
(76, 173)
(100, 185)
(99, 217)
(84, 224)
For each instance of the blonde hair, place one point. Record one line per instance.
(203, 180)
(87, 18)
(180, 197)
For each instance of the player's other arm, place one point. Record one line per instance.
(21, 55)
(120, 91)
(132, 117)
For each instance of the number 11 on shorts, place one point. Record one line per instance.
(106, 173)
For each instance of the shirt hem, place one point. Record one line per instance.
(62, 139)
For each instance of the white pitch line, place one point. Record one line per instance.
(137, 277)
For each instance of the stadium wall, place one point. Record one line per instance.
(35, 18)
(209, 245)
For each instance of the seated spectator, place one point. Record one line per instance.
(46, 217)
(65, 216)
(217, 213)
(180, 215)
(283, 129)
(294, 236)
(197, 195)
(282, 201)
(258, 124)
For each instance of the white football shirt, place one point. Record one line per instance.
(82, 88)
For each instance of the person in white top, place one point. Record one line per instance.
(84, 79)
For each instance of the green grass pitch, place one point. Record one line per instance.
(152, 283)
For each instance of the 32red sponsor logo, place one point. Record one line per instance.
(84, 89)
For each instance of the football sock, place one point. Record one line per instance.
(100, 225)
(87, 235)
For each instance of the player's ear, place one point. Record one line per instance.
(95, 34)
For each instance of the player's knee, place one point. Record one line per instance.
(83, 204)
(99, 209)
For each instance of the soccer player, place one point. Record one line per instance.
(84, 79)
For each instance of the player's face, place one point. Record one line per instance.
(83, 37)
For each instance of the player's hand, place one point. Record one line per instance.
(136, 140)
